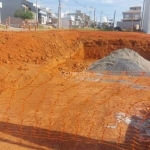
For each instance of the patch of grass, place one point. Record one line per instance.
(2, 27)
(40, 27)
(86, 29)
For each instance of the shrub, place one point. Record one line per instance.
(24, 14)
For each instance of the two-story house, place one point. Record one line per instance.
(10, 6)
(81, 18)
(131, 18)
(46, 16)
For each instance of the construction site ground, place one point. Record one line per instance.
(49, 100)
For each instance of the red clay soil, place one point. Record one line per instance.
(47, 103)
(59, 46)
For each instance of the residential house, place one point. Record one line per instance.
(54, 19)
(46, 16)
(32, 7)
(146, 17)
(67, 21)
(81, 18)
(131, 18)
(10, 6)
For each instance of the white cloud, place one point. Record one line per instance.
(124, 2)
(107, 1)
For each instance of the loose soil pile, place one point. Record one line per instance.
(121, 60)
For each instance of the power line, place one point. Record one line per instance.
(142, 18)
(36, 11)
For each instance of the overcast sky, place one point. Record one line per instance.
(106, 6)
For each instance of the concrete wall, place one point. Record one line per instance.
(146, 17)
(127, 24)
(65, 22)
(9, 8)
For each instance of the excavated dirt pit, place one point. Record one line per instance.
(48, 103)
(97, 47)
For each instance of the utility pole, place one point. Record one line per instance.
(100, 17)
(36, 11)
(107, 19)
(114, 20)
(58, 18)
(0, 17)
(90, 13)
(142, 18)
(89, 18)
(59, 15)
(132, 20)
(94, 19)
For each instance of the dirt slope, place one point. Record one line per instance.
(56, 47)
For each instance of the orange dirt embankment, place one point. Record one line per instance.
(101, 44)
(76, 48)
(35, 48)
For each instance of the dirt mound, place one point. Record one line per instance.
(121, 60)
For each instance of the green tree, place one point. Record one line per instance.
(24, 14)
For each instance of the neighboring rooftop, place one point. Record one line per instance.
(132, 11)
(135, 9)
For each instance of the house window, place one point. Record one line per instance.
(126, 16)
(136, 16)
